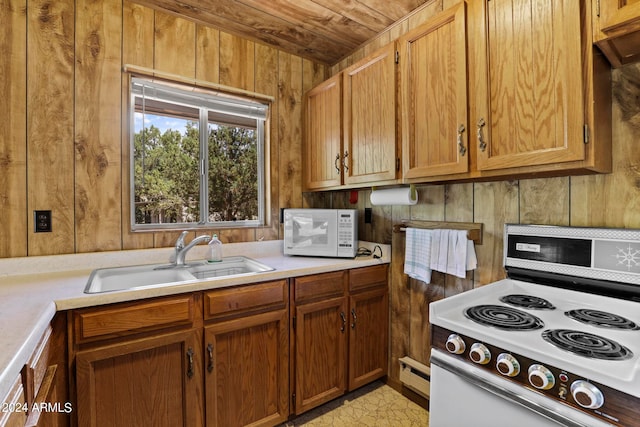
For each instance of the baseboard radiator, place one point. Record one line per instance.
(415, 375)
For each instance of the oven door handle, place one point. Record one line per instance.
(506, 394)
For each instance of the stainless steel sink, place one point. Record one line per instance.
(141, 276)
(232, 266)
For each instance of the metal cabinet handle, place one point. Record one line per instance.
(336, 163)
(190, 362)
(353, 314)
(482, 143)
(344, 161)
(461, 146)
(210, 352)
(344, 321)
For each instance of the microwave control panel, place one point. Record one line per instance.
(347, 232)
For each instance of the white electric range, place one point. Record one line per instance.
(557, 343)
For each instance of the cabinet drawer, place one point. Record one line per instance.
(15, 413)
(239, 300)
(368, 277)
(131, 318)
(320, 286)
(36, 368)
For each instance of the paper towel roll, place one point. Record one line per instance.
(394, 196)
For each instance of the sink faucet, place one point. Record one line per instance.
(181, 249)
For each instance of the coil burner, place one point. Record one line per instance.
(527, 301)
(602, 319)
(586, 344)
(505, 318)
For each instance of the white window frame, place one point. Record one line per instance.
(206, 100)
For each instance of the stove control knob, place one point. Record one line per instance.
(541, 377)
(455, 344)
(587, 395)
(480, 354)
(508, 365)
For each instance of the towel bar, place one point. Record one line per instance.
(474, 229)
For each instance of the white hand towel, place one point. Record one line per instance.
(417, 254)
(457, 253)
(443, 252)
(472, 259)
(435, 249)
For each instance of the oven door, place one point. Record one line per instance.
(462, 394)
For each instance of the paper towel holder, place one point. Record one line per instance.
(412, 190)
(406, 195)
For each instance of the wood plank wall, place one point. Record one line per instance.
(63, 102)
(611, 200)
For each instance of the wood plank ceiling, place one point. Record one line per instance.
(322, 30)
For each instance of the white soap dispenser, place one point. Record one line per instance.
(215, 250)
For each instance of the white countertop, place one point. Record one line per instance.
(33, 289)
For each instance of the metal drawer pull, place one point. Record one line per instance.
(353, 314)
(190, 362)
(344, 161)
(337, 163)
(210, 351)
(461, 146)
(482, 143)
(344, 321)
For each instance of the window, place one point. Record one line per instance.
(197, 157)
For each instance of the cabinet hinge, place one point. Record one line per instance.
(598, 8)
(398, 164)
(397, 57)
(293, 401)
(293, 322)
(586, 134)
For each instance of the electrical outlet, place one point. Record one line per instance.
(42, 221)
(368, 215)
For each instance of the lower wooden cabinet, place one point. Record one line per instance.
(247, 356)
(368, 336)
(321, 350)
(139, 363)
(341, 333)
(222, 357)
(153, 381)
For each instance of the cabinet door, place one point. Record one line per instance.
(434, 96)
(616, 25)
(368, 339)
(528, 82)
(323, 135)
(152, 381)
(247, 371)
(321, 352)
(369, 153)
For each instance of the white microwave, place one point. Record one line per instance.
(321, 232)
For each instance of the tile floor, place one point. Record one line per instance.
(374, 405)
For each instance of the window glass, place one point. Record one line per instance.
(182, 176)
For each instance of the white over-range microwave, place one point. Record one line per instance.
(321, 232)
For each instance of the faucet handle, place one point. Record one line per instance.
(180, 241)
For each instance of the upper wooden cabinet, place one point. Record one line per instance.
(350, 125)
(369, 113)
(433, 94)
(616, 25)
(536, 88)
(322, 149)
